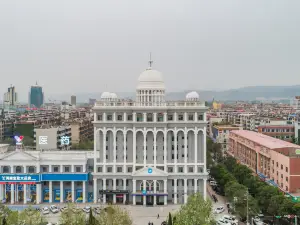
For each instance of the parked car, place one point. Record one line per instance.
(54, 209)
(63, 209)
(219, 209)
(45, 210)
(86, 209)
(231, 219)
(97, 210)
(222, 222)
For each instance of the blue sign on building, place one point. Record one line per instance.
(65, 177)
(20, 178)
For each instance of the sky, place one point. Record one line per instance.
(76, 46)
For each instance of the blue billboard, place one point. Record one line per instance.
(65, 177)
(20, 178)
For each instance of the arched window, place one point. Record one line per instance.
(6, 169)
(31, 169)
(18, 169)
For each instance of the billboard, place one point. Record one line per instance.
(14, 178)
(46, 139)
(65, 177)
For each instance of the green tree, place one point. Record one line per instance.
(264, 196)
(196, 211)
(118, 216)
(170, 222)
(30, 216)
(72, 216)
(275, 203)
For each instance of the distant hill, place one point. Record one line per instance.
(245, 93)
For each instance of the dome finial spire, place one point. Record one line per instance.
(150, 61)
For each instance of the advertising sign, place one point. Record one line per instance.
(56, 195)
(297, 151)
(65, 140)
(79, 195)
(65, 177)
(43, 140)
(46, 195)
(68, 194)
(19, 178)
(20, 187)
(18, 139)
(90, 197)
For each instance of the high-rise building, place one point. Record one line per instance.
(73, 100)
(10, 97)
(36, 96)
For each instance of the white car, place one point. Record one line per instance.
(45, 210)
(223, 222)
(54, 209)
(231, 219)
(219, 209)
(63, 209)
(86, 209)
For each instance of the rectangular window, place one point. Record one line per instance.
(287, 179)
(99, 117)
(55, 169)
(78, 169)
(180, 169)
(286, 169)
(120, 117)
(200, 117)
(170, 117)
(100, 169)
(45, 169)
(119, 169)
(191, 169)
(67, 169)
(129, 117)
(129, 169)
(109, 169)
(191, 117)
(180, 117)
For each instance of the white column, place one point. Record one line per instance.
(195, 185)
(104, 116)
(38, 193)
(185, 191)
(175, 117)
(114, 188)
(154, 146)
(134, 148)
(195, 150)
(12, 194)
(165, 150)
(196, 117)
(104, 188)
(175, 191)
(125, 116)
(165, 191)
(104, 151)
(83, 192)
(145, 117)
(165, 117)
(95, 148)
(124, 149)
(114, 117)
(185, 150)
(73, 191)
(204, 148)
(175, 150)
(61, 184)
(155, 186)
(25, 193)
(145, 188)
(114, 150)
(124, 188)
(145, 152)
(50, 192)
(185, 116)
(134, 117)
(134, 192)
(1, 191)
(204, 188)
(95, 190)
(95, 118)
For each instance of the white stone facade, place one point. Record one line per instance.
(166, 138)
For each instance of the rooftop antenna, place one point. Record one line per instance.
(150, 61)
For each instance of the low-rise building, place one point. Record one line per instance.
(49, 138)
(81, 130)
(274, 160)
(284, 132)
(220, 134)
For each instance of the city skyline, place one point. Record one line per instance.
(203, 45)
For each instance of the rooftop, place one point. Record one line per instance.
(264, 140)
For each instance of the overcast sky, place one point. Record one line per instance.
(80, 46)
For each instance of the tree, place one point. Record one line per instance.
(30, 216)
(92, 220)
(275, 203)
(196, 211)
(72, 216)
(170, 219)
(118, 215)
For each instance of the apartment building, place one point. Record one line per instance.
(284, 132)
(51, 138)
(220, 134)
(81, 130)
(274, 160)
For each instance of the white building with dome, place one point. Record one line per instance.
(149, 151)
